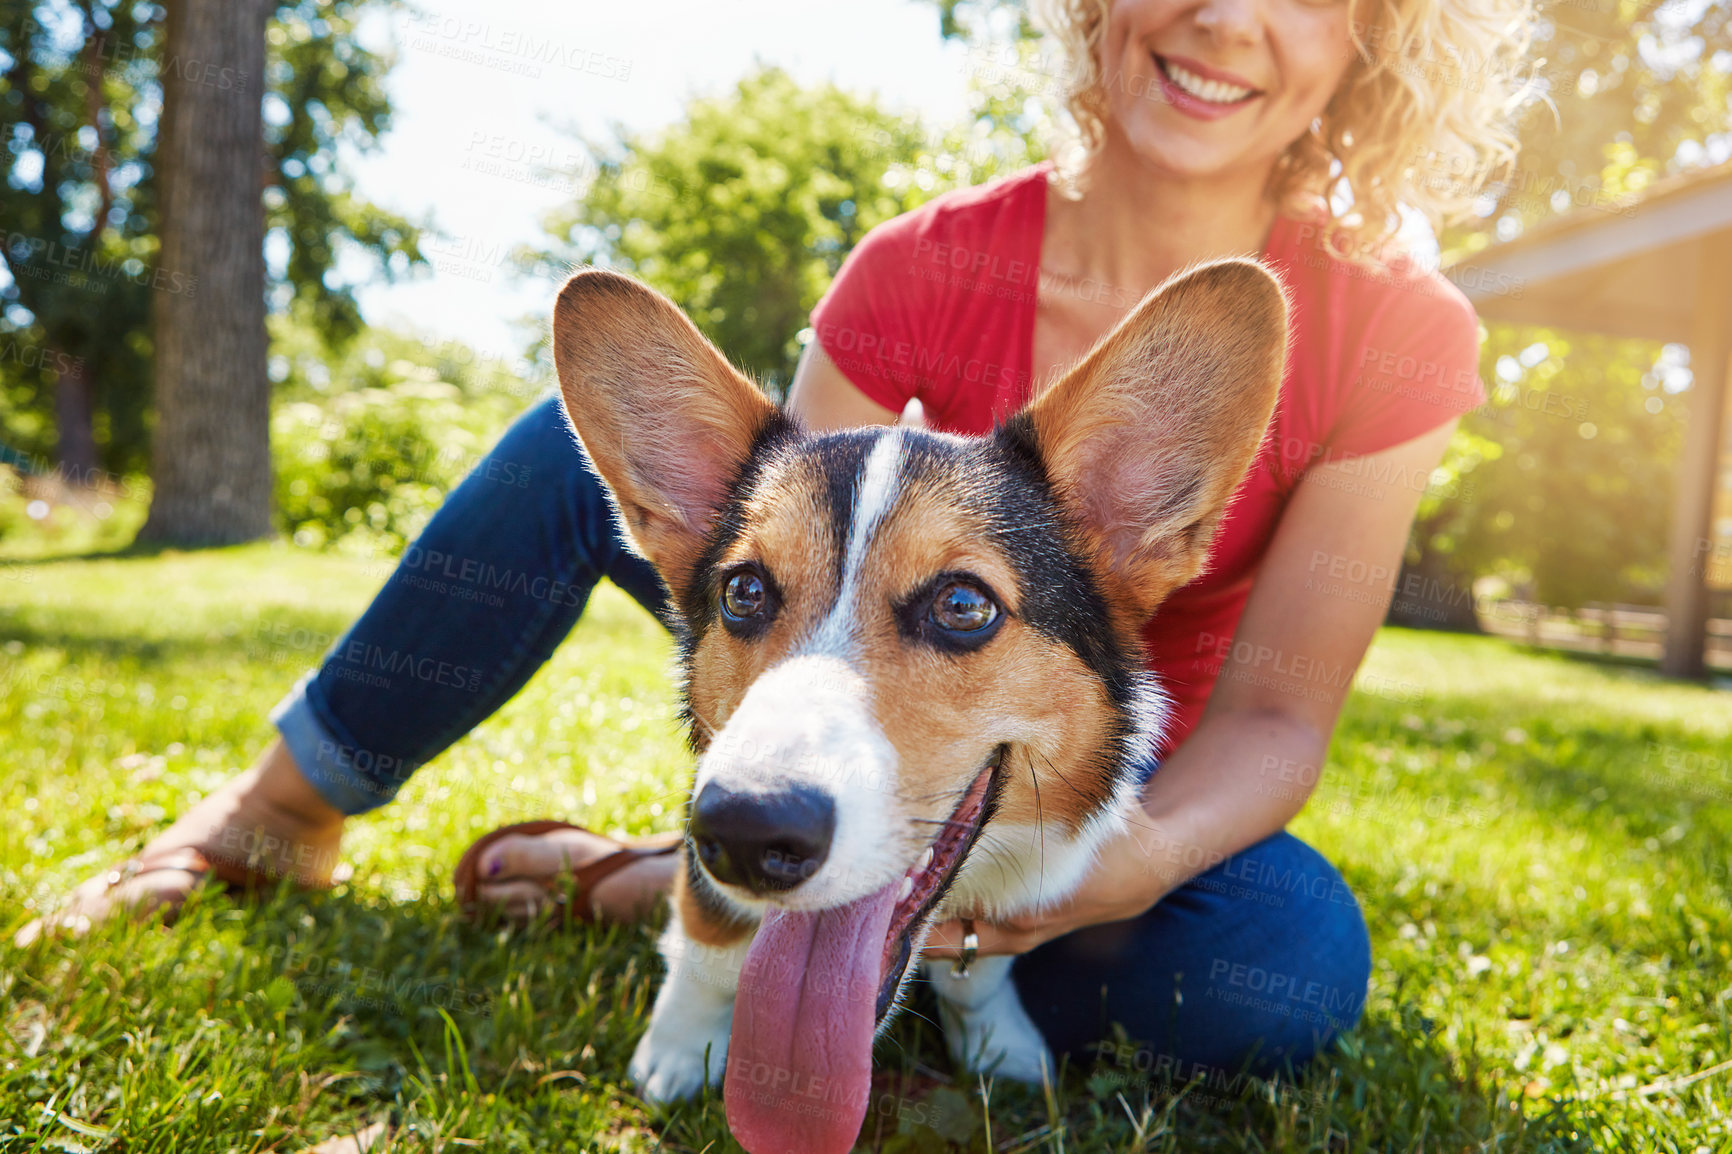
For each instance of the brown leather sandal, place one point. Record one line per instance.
(192, 861)
(583, 880)
(228, 872)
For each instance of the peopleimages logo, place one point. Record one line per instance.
(900, 360)
(519, 49)
(482, 579)
(114, 50)
(41, 357)
(357, 660)
(795, 1090)
(43, 259)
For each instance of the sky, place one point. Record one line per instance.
(485, 90)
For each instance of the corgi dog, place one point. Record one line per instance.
(911, 668)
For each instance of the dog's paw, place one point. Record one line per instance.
(674, 1063)
(687, 1040)
(686, 1044)
(1016, 1054)
(985, 1027)
(999, 1040)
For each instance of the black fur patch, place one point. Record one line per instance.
(696, 604)
(1061, 597)
(841, 457)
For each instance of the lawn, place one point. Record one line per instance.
(1541, 844)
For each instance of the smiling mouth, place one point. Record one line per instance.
(925, 886)
(1200, 88)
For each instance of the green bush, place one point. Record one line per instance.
(42, 516)
(362, 471)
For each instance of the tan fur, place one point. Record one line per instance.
(789, 531)
(701, 921)
(1149, 435)
(945, 714)
(664, 417)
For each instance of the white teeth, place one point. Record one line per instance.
(1212, 91)
(925, 860)
(907, 888)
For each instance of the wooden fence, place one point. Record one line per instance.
(1633, 631)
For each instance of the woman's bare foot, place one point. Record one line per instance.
(515, 873)
(268, 821)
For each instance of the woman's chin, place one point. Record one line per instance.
(1171, 155)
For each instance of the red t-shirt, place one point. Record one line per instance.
(940, 304)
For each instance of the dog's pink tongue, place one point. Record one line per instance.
(800, 1058)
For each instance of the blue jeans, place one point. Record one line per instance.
(1261, 959)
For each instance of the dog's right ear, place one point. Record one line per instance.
(1148, 436)
(666, 419)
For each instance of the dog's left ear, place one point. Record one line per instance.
(1146, 439)
(666, 419)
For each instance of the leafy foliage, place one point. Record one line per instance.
(370, 468)
(327, 91)
(99, 519)
(743, 210)
(80, 90)
(76, 198)
(367, 449)
(1567, 475)
(1563, 482)
(1625, 93)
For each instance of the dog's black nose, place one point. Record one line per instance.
(766, 842)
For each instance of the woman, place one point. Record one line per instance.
(1202, 128)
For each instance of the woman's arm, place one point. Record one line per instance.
(1252, 761)
(823, 399)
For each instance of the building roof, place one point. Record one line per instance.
(1628, 267)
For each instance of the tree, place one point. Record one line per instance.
(213, 446)
(77, 201)
(79, 198)
(1623, 94)
(743, 211)
(1563, 481)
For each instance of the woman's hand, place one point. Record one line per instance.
(1124, 883)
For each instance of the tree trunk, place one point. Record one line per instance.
(211, 453)
(74, 414)
(1429, 595)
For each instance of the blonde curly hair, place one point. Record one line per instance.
(1423, 116)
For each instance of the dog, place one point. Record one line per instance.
(910, 665)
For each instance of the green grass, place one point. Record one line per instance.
(1541, 845)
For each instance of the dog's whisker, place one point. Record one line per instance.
(709, 726)
(1039, 814)
(947, 795)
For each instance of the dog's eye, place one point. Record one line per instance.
(743, 596)
(963, 609)
(954, 613)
